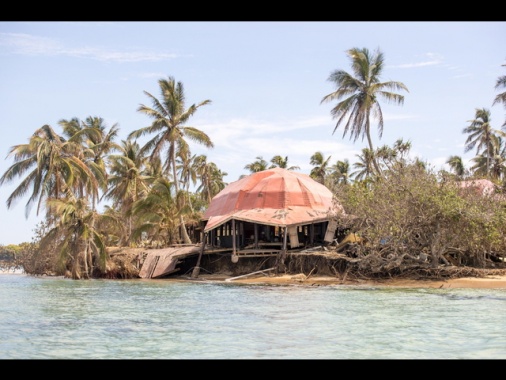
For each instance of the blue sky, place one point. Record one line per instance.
(265, 81)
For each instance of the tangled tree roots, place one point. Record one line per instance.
(342, 267)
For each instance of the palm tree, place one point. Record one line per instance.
(169, 126)
(340, 172)
(187, 171)
(185, 164)
(497, 162)
(321, 166)
(158, 212)
(280, 162)
(79, 243)
(128, 182)
(101, 144)
(456, 166)
(402, 148)
(257, 166)
(364, 166)
(96, 143)
(360, 94)
(501, 97)
(211, 178)
(498, 168)
(386, 156)
(481, 135)
(53, 166)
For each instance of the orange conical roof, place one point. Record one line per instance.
(275, 196)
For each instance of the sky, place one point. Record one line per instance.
(265, 81)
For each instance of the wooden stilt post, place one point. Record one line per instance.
(285, 237)
(233, 237)
(196, 269)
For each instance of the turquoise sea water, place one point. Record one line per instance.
(55, 318)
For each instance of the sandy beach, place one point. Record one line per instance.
(489, 282)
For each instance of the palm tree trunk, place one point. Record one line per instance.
(488, 161)
(196, 270)
(369, 140)
(184, 233)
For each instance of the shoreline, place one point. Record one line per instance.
(487, 282)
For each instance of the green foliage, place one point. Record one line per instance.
(34, 260)
(410, 218)
(7, 253)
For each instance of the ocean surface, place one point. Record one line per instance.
(56, 318)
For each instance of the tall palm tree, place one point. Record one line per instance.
(501, 97)
(282, 162)
(481, 135)
(169, 126)
(100, 145)
(456, 166)
(361, 94)
(257, 166)
(96, 142)
(128, 182)
(321, 166)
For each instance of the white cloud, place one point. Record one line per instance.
(28, 44)
(432, 60)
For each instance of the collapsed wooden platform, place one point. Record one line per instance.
(161, 262)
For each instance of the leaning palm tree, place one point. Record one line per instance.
(482, 136)
(282, 162)
(53, 166)
(320, 166)
(360, 95)
(80, 244)
(169, 126)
